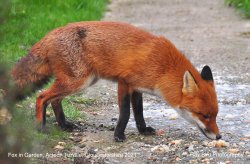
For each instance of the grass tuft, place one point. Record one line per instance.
(243, 5)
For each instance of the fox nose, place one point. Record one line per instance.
(218, 136)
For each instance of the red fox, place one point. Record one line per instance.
(79, 54)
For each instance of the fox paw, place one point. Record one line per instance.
(42, 129)
(119, 137)
(68, 126)
(147, 131)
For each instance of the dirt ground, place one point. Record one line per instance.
(209, 33)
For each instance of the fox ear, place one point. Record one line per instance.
(189, 84)
(206, 74)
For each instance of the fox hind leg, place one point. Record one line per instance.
(60, 117)
(137, 105)
(60, 89)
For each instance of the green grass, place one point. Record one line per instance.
(243, 5)
(29, 20)
(23, 23)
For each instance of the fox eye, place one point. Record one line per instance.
(206, 116)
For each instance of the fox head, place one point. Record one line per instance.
(199, 102)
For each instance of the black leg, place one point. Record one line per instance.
(44, 116)
(123, 119)
(137, 104)
(60, 117)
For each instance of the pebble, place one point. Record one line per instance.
(233, 151)
(76, 134)
(82, 145)
(5, 116)
(177, 158)
(173, 118)
(149, 141)
(61, 143)
(160, 132)
(205, 160)
(92, 151)
(191, 148)
(195, 142)
(71, 138)
(176, 142)
(111, 128)
(75, 139)
(48, 113)
(160, 149)
(219, 143)
(113, 119)
(59, 147)
(241, 143)
(194, 161)
(184, 153)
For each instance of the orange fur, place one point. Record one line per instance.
(86, 51)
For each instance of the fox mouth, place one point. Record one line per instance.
(207, 133)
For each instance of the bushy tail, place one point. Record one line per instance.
(29, 74)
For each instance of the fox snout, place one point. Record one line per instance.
(208, 128)
(208, 132)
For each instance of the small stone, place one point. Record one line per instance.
(195, 142)
(148, 141)
(194, 161)
(83, 140)
(98, 141)
(245, 139)
(177, 158)
(176, 142)
(77, 139)
(101, 126)
(59, 147)
(111, 128)
(5, 116)
(48, 113)
(92, 151)
(160, 149)
(173, 118)
(205, 160)
(233, 151)
(219, 143)
(184, 153)
(113, 119)
(160, 132)
(82, 145)
(61, 143)
(191, 148)
(94, 113)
